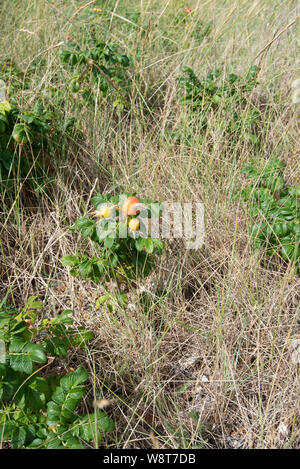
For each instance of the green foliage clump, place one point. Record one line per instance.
(275, 210)
(123, 253)
(22, 134)
(206, 96)
(13, 77)
(101, 63)
(39, 410)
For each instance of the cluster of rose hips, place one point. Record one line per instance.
(129, 209)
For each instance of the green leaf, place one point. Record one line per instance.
(105, 423)
(85, 226)
(53, 413)
(36, 353)
(288, 251)
(156, 209)
(78, 376)
(22, 354)
(62, 439)
(108, 242)
(80, 336)
(17, 344)
(70, 260)
(36, 443)
(75, 85)
(6, 430)
(10, 383)
(34, 398)
(21, 363)
(294, 191)
(22, 133)
(66, 397)
(18, 438)
(139, 244)
(57, 346)
(87, 426)
(41, 384)
(158, 243)
(274, 183)
(102, 299)
(88, 230)
(105, 229)
(98, 200)
(32, 304)
(74, 273)
(85, 268)
(149, 246)
(5, 106)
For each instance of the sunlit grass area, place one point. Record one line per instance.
(168, 101)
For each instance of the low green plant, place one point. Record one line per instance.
(123, 253)
(275, 211)
(22, 135)
(183, 439)
(230, 95)
(101, 63)
(39, 410)
(14, 78)
(188, 18)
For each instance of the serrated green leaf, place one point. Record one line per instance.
(36, 353)
(21, 363)
(80, 336)
(36, 443)
(98, 200)
(53, 413)
(18, 438)
(87, 425)
(79, 376)
(70, 260)
(6, 430)
(17, 344)
(85, 268)
(288, 251)
(22, 133)
(33, 304)
(34, 398)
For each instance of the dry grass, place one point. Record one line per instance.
(217, 341)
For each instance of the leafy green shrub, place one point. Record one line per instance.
(38, 410)
(13, 77)
(124, 252)
(275, 210)
(207, 95)
(100, 62)
(20, 129)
